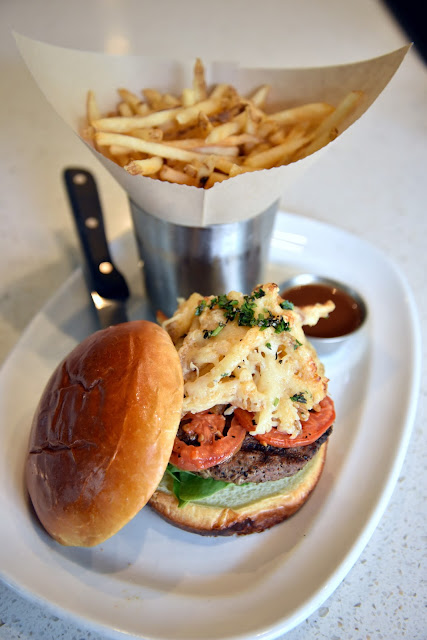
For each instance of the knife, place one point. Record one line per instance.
(107, 286)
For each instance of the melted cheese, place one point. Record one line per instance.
(271, 372)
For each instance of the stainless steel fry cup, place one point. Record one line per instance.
(179, 260)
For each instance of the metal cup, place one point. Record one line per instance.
(179, 260)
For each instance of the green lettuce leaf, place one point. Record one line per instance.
(189, 486)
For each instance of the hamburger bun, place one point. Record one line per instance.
(256, 507)
(103, 432)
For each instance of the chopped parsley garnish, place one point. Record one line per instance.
(282, 325)
(200, 308)
(278, 323)
(259, 293)
(286, 304)
(268, 345)
(243, 314)
(219, 328)
(213, 332)
(276, 402)
(246, 313)
(228, 306)
(297, 344)
(299, 397)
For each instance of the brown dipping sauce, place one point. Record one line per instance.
(346, 317)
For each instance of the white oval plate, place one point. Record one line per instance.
(154, 581)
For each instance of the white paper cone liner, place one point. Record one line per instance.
(65, 76)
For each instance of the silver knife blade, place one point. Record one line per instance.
(109, 311)
(107, 286)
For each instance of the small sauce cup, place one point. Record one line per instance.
(343, 323)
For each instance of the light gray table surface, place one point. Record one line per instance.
(374, 186)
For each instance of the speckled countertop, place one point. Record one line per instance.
(374, 186)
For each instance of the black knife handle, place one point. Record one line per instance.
(104, 276)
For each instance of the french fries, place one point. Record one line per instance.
(147, 167)
(206, 136)
(92, 111)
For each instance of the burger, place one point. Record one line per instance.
(219, 419)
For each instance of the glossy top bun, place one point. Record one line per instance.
(103, 432)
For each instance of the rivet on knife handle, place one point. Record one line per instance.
(105, 278)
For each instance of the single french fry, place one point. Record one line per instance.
(175, 164)
(186, 143)
(328, 128)
(125, 110)
(153, 98)
(219, 91)
(191, 170)
(170, 129)
(224, 130)
(146, 167)
(117, 150)
(169, 101)
(190, 114)
(236, 170)
(343, 109)
(247, 148)
(87, 133)
(276, 155)
(214, 178)
(278, 137)
(120, 124)
(92, 110)
(318, 143)
(242, 138)
(199, 82)
(130, 98)
(313, 112)
(169, 174)
(121, 159)
(267, 128)
(213, 161)
(142, 109)
(159, 101)
(258, 98)
(217, 150)
(225, 165)
(152, 134)
(206, 168)
(103, 138)
(200, 169)
(204, 124)
(188, 98)
(259, 148)
(227, 114)
(251, 119)
(258, 115)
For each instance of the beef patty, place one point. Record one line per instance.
(255, 462)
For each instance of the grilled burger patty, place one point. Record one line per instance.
(255, 462)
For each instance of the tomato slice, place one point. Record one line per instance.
(213, 446)
(312, 429)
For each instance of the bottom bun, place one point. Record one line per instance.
(240, 510)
